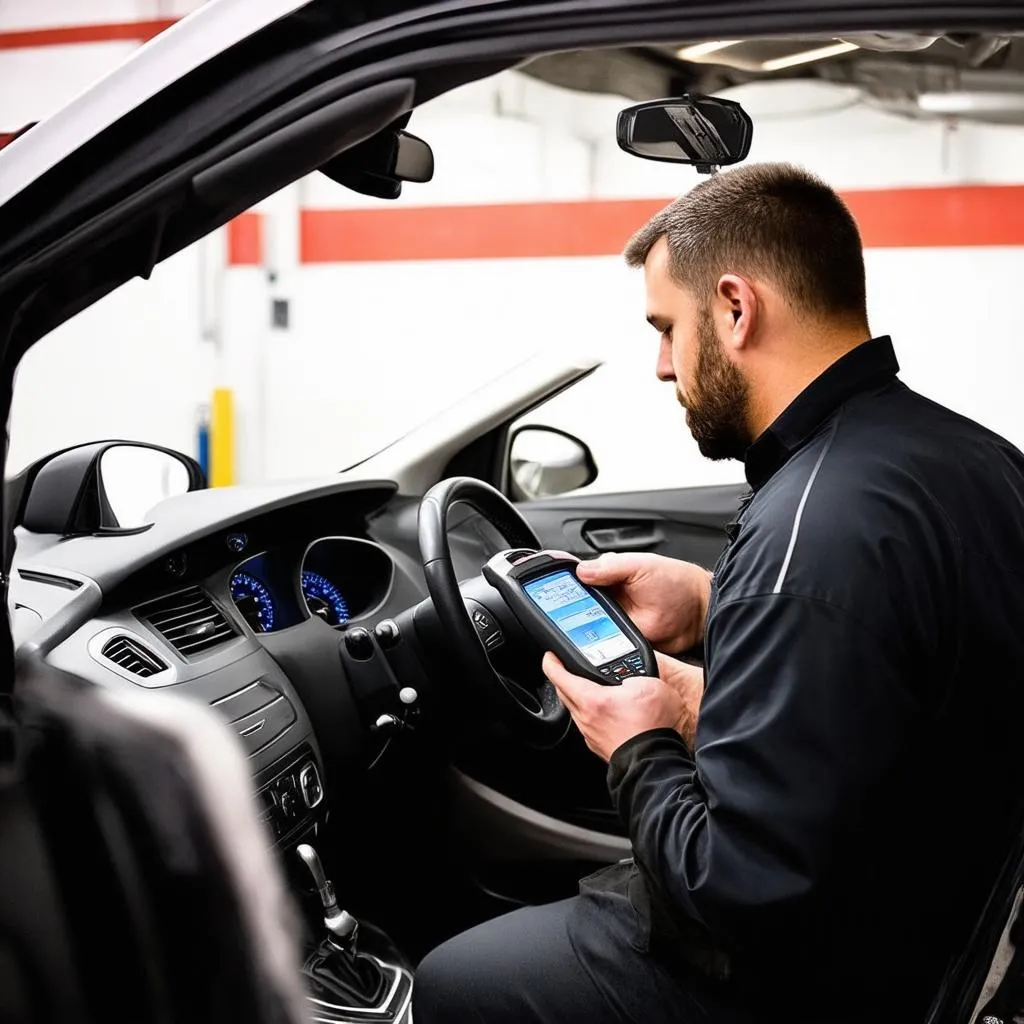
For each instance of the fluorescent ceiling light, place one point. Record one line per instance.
(806, 56)
(699, 50)
(971, 102)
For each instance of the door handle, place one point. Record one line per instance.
(623, 537)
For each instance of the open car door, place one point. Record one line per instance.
(231, 104)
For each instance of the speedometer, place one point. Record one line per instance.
(324, 599)
(253, 600)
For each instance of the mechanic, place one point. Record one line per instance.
(817, 843)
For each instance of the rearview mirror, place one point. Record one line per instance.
(544, 462)
(702, 131)
(378, 166)
(103, 487)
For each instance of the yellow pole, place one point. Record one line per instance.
(222, 438)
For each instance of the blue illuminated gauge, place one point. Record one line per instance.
(253, 600)
(324, 599)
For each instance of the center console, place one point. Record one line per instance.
(289, 801)
(354, 974)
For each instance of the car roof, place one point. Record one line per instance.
(168, 57)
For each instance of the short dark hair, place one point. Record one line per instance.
(772, 221)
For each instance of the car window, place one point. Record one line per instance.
(633, 427)
(339, 322)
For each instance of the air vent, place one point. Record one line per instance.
(189, 620)
(132, 657)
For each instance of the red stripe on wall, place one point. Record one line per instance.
(245, 240)
(891, 218)
(593, 228)
(967, 215)
(66, 35)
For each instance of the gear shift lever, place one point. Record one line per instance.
(342, 927)
(336, 973)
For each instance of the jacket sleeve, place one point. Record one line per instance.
(803, 714)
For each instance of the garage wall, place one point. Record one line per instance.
(133, 365)
(373, 346)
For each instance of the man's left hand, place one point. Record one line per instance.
(607, 716)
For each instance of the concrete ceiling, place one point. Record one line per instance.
(974, 78)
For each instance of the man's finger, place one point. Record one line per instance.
(666, 664)
(572, 689)
(605, 570)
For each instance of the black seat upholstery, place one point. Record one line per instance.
(136, 883)
(986, 983)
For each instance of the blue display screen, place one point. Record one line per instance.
(562, 598)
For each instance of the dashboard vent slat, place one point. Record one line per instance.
(188, 620)
(130, 655)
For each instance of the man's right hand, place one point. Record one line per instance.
(666, 598)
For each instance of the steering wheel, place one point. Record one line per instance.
(527, 706)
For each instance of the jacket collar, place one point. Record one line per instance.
(867, 366)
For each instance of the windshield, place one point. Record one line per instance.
(316, 329)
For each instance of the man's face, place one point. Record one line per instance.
(712, 390)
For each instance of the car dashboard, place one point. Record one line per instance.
(248, 615)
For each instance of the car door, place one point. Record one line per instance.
(687, 523)
(225, 111)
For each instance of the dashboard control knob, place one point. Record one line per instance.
(309, 783)
(387, 724)
(176, 564)
(407, 695)
(289, 804)
(387, 632)
(359, 642)
(236, 542)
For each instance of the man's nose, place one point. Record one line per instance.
(664, 368)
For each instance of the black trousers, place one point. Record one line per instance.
(577, 960)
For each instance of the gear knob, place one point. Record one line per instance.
(342, 927)
(323, 886)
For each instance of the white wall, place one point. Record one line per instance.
(134, 365)
(474, 318)
(374, 349)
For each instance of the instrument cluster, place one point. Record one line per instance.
(337, 580)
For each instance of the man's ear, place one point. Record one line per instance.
(737, 306)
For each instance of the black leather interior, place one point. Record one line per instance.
(344, 979)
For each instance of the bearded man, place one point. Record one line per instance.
(818, 813)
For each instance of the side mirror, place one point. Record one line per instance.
(544, 462)
(702, 131)
(103, 487)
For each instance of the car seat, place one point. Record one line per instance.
(136, 882)
(986, 983)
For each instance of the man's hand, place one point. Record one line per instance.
(688, 683)
(666, 598)
(607, 716)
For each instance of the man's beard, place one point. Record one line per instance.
(716, 405)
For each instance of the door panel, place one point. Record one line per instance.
(688, 523)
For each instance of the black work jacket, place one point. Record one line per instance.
(858, 761)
